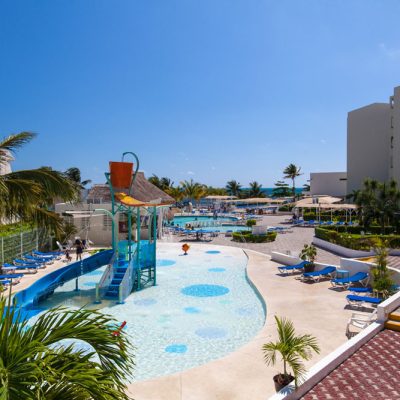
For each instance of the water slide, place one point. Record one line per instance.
(46, 285)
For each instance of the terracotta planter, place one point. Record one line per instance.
(282, 380)
(121, 174)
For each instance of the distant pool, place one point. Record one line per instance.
(221, 224)
(202, 309)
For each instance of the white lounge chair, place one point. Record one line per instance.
(359, 321)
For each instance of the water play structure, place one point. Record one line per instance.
(133, 265)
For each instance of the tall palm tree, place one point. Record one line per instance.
(176, 193)
(233, 188)
(293, 349)
(255, 190)
(35, 364)
(26, 195)
(74, 174)
(292, 172)
(166, 183)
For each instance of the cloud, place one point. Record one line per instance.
(323, 141)
(190, 173)
(390, 52)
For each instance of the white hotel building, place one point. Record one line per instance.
(373, 149)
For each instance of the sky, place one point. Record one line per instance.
(209, 90)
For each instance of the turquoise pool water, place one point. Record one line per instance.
(208, 223)
(201, 309)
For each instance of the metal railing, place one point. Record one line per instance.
(126, 285)
(105, 281)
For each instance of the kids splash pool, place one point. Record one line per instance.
(202, 309)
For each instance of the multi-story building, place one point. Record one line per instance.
(328, 183)
(373, 142)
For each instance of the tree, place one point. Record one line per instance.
(26, 195)
(155, 180)
(176, 193)
(166, 183)
(281, 189)
(74, 174)
(255, 190)
(233, 188)
(68, 229)
(193, 190)
(382, 283)
(292, 172)
(306, 187)
(35, 364)
(293, 349)
(213, 191)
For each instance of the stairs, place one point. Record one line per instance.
(119, 272)
(393, 322)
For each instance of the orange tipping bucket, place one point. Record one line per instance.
(121, 174)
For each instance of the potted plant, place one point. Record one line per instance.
(383, 283)
(309, 253)
(293, 349)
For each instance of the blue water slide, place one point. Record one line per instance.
(46, 285)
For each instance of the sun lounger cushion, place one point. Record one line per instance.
(363, 299)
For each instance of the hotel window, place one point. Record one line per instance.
(391, 142)
(391, 100)
(391, 122)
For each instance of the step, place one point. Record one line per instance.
(116, 282)
(394, 316)
(112, 295)
(392, 325)
(121, 270)
(119, 276)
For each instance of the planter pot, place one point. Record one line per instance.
(282, 380)
(309, 267)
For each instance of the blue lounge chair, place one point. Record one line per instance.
(361, 290)
(359, 277)
(15, 277)
(285, 269)
(18, 262)
(31, 267)
(50, 253)
(38, 260)
(317, 275)
(359, 301)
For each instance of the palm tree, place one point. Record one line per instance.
(26, 195)
(293, 349)
(255, 190)
(193, 190)
(166, 183)
(35, 364)
(155, 180)
(233, 188)
(281, 189)
(176, 193)
(306, 187)
(74, 174)
(292, 172)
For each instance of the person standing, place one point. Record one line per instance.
(79, 249)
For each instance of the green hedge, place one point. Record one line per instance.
(372, 230)
(249, 237)
(355, 241)
(336, 216)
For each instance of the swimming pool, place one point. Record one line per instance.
(221, 224)
(201, 309)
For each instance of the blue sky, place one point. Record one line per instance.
(209, 90)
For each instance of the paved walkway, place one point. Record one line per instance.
(243, 375)
(292, 241)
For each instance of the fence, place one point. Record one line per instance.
(14, 246)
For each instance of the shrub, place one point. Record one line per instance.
(249, 237)
(250, 222)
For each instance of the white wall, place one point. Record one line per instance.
(329, 183)
(368, 144)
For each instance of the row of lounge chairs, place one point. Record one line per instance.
(27, 263)
(312, 222)
(360, 295)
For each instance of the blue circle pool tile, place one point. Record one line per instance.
(244, 311)
(192, 310)
(205, 290)
(165, 262)
(213, 252)
(217, 269)
(176, 348)
(90, 284)
(145, 302)
(211, 333)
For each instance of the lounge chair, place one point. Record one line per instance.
(29, 267)
(359, 277)
(19, 262)
(359, 301)
(14, 277)
(38, 260)
(327, 272)
(359, 321)
(285, 269)
(357, 290)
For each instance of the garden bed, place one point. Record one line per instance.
(247, 236)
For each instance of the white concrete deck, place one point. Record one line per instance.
(242, 375)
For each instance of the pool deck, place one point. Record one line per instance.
(243, 375)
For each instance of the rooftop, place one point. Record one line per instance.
(372, 372)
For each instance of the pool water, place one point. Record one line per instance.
(202, 309)
(209, 223)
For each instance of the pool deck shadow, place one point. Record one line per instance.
(243, 375)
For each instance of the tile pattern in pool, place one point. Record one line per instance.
(173, 330)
